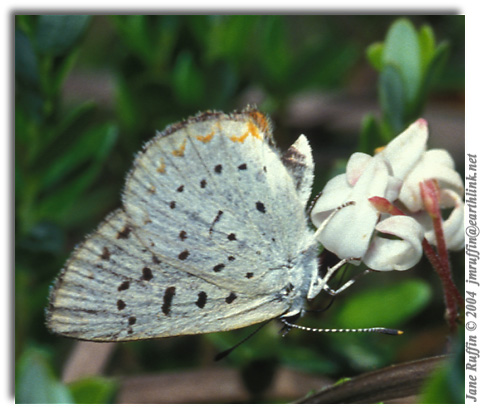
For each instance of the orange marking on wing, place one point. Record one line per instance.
(260, 120)
(253, 130)
(205, 139)
(240, 139)
(161, 168)
(180, 151)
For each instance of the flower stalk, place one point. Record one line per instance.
(430, 192)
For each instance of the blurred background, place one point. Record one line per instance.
(90, 90)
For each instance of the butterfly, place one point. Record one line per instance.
(212, 235)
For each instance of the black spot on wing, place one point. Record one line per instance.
(232, 296)
(105, 254)
(202, 299)
(125, 233)
(167, 300)
(124, 286)
(121, 305)
(260, 207)
(219, 267)
(146, 274)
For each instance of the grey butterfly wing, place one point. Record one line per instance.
(212, 198)
(298, 160)
(213, 237)
(115, 289)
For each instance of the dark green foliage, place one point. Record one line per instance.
(409, 61)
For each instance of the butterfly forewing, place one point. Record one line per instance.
(223, 206)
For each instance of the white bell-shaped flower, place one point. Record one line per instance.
(348, 232)
(394, 173)
(453, 226)
(434, 164)
(385, 254)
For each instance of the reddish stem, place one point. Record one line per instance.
(430, 193)
(441, 263)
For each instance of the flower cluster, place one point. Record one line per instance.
(390, 238)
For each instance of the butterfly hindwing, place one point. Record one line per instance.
(113, 288)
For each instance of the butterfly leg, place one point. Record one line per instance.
(327, 220)
(346, 285)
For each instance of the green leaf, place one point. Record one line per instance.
(306, 359)
(370, 135)
(69, 126)
(43, 237)
(387, 306)
(168, 31)
(91, 390)
(437, 62)
(28, 95)
(432, 72)
(402, 51)
(35, 382)
(375, 55)
(62, 70)
(335, 64)
(188, 83)
(25, 23)
(408, 61)
(221, 82)
(92, 206)
(362, 352)
(56, 34)
(92, 145)
(125, 105)
(227, 36)
(137, 31)
(58, 204)
(447, 383)
(426, 40)
(275, 52)
(26, 63)
(436, 389)
(392, 98)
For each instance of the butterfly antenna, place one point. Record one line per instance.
(227, 352)
(383, 330)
